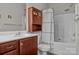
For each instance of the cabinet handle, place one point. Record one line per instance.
(21, 44)
(9, 47)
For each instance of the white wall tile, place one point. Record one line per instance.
(47, 17)
(46, 27)
(50, 10)
(52, 37)
(52, 27)
(46, 37)
(65, 25)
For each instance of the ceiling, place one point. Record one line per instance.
(62, 8)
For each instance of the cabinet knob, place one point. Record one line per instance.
(21, 44)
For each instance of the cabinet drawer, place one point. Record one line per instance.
(13, 52)
(8, 46)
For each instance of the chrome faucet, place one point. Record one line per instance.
(19, 33)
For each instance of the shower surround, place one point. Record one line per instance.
(64, 28)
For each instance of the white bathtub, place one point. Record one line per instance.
(60, 48)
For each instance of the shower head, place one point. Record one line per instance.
(66, 10)
(70, 6)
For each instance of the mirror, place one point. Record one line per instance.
(12, 16)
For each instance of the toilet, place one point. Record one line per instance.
(43, 49)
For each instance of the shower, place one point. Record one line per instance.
(58, 29)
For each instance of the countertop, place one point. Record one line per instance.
(6, 38)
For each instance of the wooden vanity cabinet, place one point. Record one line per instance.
(34, 19)
(25, 46)
(13, 52)
(28, 46)
(9, 48)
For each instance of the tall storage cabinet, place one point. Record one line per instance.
(34, 19)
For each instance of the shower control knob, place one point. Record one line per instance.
(59, 39)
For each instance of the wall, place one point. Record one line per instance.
(64, 27)
(40, 6)
(16, 11)
(60, 7)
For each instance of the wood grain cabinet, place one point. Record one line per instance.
(9, 48)
(28, 46)
(34, 19)
(13, 52)
(25, 46)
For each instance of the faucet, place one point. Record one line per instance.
(19, 33)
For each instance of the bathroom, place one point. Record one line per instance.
(53, 32)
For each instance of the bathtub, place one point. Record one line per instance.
(60, 48)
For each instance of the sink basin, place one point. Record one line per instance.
(6, 36)
(9, 37)
(24, 35)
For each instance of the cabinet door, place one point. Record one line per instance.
(28, 46)
(39, 17)
(34, 19)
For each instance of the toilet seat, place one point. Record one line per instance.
(44, 47)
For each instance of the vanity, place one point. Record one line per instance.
(19, 45)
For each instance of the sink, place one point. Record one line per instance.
(13, 36)
(6, 36)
